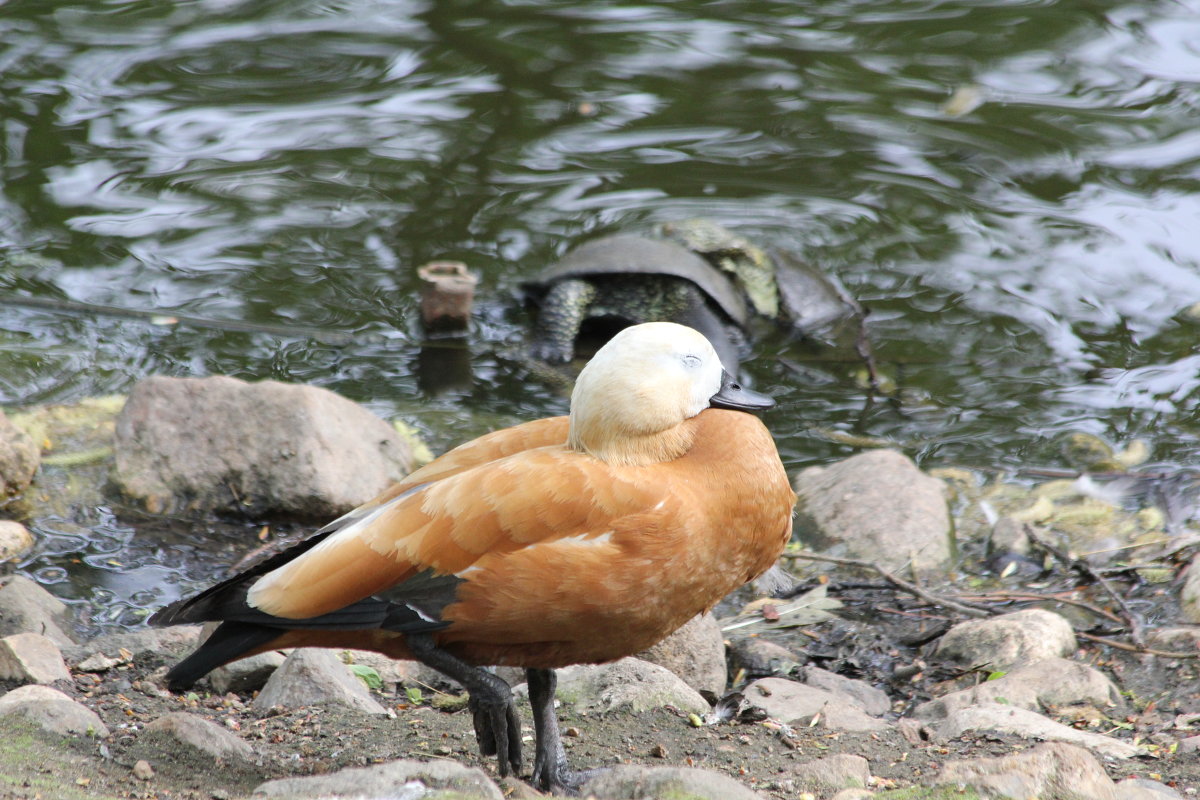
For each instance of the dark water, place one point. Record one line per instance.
(1030, 252)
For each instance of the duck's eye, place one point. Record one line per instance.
(691, 362)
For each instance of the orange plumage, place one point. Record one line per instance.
(556, 542)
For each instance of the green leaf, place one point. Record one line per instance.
(367, 675)
(992, 676)
(414, 695)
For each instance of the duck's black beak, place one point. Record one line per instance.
(733, 396)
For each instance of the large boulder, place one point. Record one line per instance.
(876, 506)
(220, 444)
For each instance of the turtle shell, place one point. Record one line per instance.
(627, 254)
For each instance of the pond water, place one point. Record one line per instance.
(1010, 187)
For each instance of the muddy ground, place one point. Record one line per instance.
(884, 647)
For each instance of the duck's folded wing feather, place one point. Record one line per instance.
(512, 503)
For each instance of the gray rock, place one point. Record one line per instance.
(1185, 640)
(146, 647)
(52, 711)
(871, 700)
(1050, 682)
(626, 685)
(1009, 641)
(824, 776)
(395, 780)
(202, 735)
(247, 674)
(1051, 771)
(312, 676)
(1189, 596)
(695, 652)
(31, 658)
(221, 444)
(15, 540)
(26, 607)
(19, 458)
(792, 702)
(876, 506)
(1029, 725)
(654, 783)
(1145, 789)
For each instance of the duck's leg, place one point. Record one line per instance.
(550, 773)
(497, 728)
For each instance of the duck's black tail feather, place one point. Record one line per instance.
(228, 642)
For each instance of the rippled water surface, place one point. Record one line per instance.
(1011, 187)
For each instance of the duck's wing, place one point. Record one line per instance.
(444, 528)
(489, 447)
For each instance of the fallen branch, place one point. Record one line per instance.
(1054, 597)
(899, 583)
(1149, 651)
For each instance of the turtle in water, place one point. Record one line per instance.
(616, 281)
(700, 274)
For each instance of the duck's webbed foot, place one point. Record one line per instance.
(550, 771)
(497, 727)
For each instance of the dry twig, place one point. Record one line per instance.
(1150, 651)
(899, 583)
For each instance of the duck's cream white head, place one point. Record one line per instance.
(631, 399)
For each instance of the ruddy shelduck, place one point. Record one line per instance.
(569, 540)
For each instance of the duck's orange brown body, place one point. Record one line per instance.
(556, 542)
(565, 559)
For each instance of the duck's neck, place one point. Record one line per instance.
(613, 443)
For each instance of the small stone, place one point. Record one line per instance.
(31, 658)
(1049, 683)
(1008, 641)
(142, 770)
(873, 701)
(28, 608)
(202, 735)
(311, 676)
(797, 703)
(573, 732)
(1046, 770)
(15, 540)
(52, 710)
(1029, 725)
(626, 685)
(97, 662)
(658, 751)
